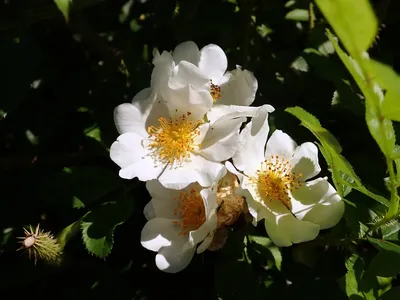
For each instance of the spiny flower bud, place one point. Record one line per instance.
(41, 245)
(230, 207)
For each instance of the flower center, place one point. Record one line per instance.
(174, 139)
(215, 91)
(275, 180)
(191, 211)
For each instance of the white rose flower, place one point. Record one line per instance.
(166, 138)
(275, 184)
(204, 69)
(178, 221)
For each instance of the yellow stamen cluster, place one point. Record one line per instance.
(215, 91)
(190, 210)
(275, 180)
(174, 139)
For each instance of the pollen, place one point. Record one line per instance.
(275, 180)
(215, 91)
(174, 139)
(190, 210)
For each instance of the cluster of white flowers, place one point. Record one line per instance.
(184, 137)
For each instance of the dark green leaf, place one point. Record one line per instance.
(98, 225)
(392, 294)
(385, 264)
(385, 245)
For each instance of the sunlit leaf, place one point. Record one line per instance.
(64, 6)
(386, 245)
(297, 15)
(353, 21)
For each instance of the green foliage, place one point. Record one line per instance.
(64, 7)
(353, 21)
(61, 81)
(98, 225)
(385, 264)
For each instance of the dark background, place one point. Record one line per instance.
(59, 85)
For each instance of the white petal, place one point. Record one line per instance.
(163, 66)
(127, 149)
(187, 51)
(284, 229)
(213, 61)
(128, 118)
(186, 73)
(128, 153)
(175, 257)
(186, 100)
(256, 208)
(197, 169)
(305, 161)
(163, 202)
(226, 112)
(240, 89)
(205, 244)
(223, 149)
(158, 233)
(280, 144)
(221, 140)
(131, 118)
(318, 202)
(250, 151)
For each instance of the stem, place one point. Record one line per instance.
(394, 202)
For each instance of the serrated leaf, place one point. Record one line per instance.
(386, 245)
(354, 22)
(331, 149)
(388, 79)
(380, 128)
(385, 264)
(98, 225)
(64, 6)
(354, 283)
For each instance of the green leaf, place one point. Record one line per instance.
(380, 128)
(297, 15)
(64, 6)
(392, 294)
(389, 80)
(80, 186)
(67, 233)
(235, 278)
(267, 245)
(386, 245)
(354, 23)
(355, 285)
(98, 225)
(385, 264)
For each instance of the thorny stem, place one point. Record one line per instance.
(394, 201)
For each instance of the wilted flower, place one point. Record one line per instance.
(41, 245)
(276, 187)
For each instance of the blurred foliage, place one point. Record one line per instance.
(60, 83)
